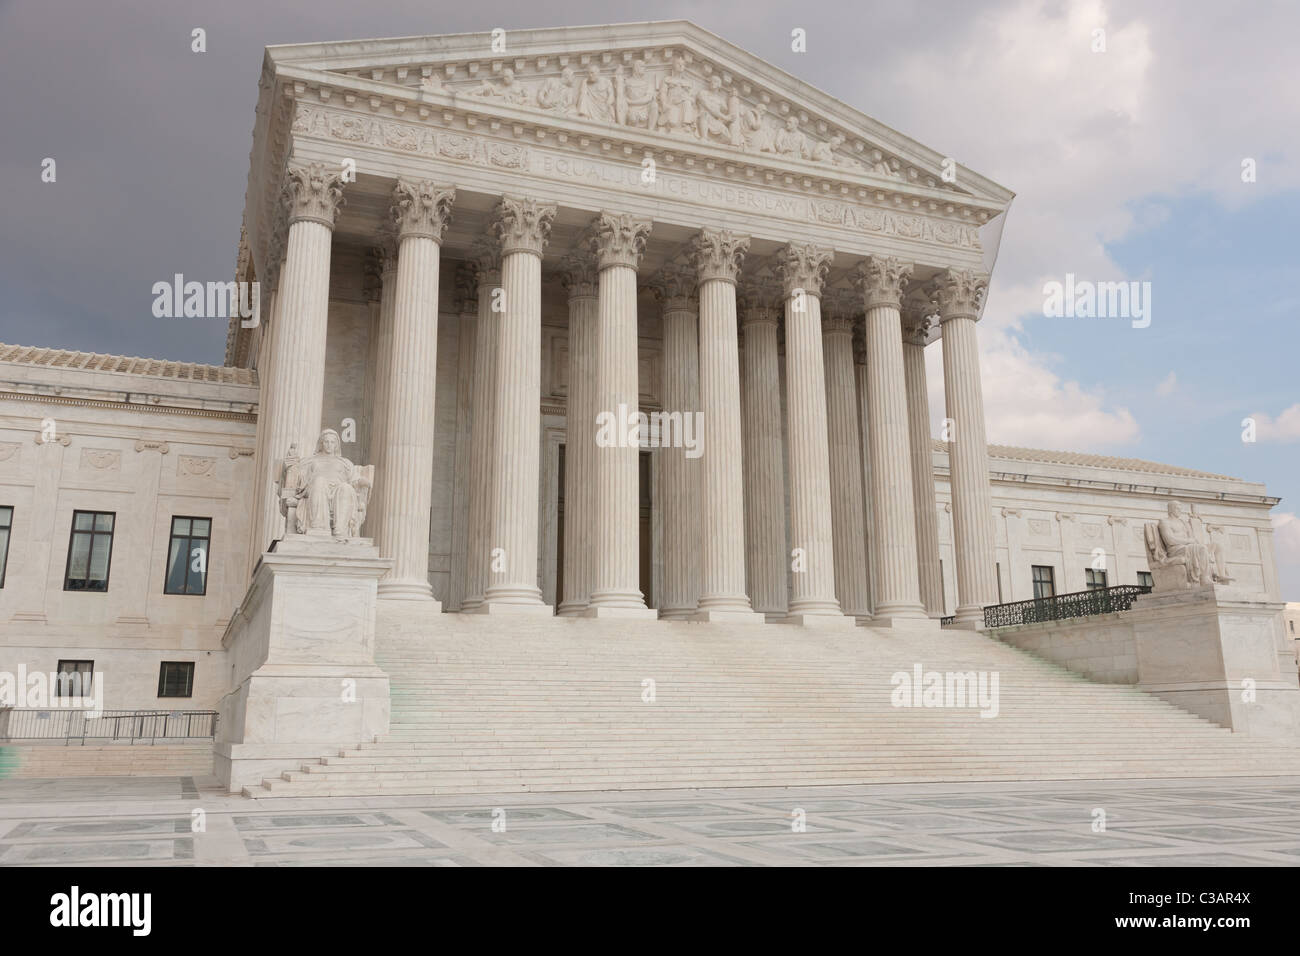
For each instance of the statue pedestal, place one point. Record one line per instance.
(302, 653)
(1219, 652)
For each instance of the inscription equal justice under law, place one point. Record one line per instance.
(825, 211)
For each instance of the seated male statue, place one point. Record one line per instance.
(1172, 542)
(325, 494)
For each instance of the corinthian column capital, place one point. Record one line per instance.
(959, 293)
(421, 208)
(486, 253)
(580, 276)
(917, 313)
(880, 279)
(618, 239)
(674, 286)
(313, 192)
(523, 224)
(762, 299)
(718, 254)
(803, 265)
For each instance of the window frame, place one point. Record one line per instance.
(1146, 579)
(189, 685)
(1050, 582)
(171, 537)
(1090, 584)
(72, 536)
(85, 684)
(9, 535)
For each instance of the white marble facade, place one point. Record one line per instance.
(641, 217)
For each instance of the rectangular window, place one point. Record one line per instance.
(997, 570)
(74, 678)
(1095, 579)
(6, 522)
(1146, 579)
(176, 679)
(1044, 581)
(187, 558)
(90, 550)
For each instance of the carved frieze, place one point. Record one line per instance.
(101, 459)
(190, 466)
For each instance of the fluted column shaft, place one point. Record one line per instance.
(812, 589)
(892, 501)
(524, 227)
(959, 295)
(482, 427)
(930, 576)
(580, 435)
(860, 383)
(383, 371)
(766, 554)
(718, 255)
(406, 482)
(680, 489)
(292, 392)
(849, 522)
(619, 241)
(267, 524)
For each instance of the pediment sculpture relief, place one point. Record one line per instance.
(323, 494)
(672, 101)
(1181, 553)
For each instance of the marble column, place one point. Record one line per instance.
(581, 280)
(718, 254)
(422, 210)
(385, 255)
(803, 268)
(916, 327)
(266, 524)
(523, 226)
(293, 388)
(881, 281)
(849, 528)
(466, 326)
(766, 555)
(679, 491)
(487, 254)
(959, 295)
(618, 239)
(860, 383)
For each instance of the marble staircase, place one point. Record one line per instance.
(495, 705)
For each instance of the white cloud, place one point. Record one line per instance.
(1096, 146)
(1284, 428)
(1168, 386)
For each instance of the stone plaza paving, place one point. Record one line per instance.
(148, 821)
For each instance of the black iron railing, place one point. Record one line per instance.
(1064, 606)
(123, 726)
(948, 621)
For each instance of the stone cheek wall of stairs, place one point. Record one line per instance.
(31, 761)
(492, 705)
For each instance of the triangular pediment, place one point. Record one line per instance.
(661, 83)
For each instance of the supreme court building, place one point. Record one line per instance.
(613, 321)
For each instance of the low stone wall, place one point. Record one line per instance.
(1101, 648)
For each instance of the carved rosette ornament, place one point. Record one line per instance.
(422, 208)
(580, 276)
(803, 265)
(959, 293)
(618, 239)
(523, 225)
(718, 254)
(881, 279)
(313, 192)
